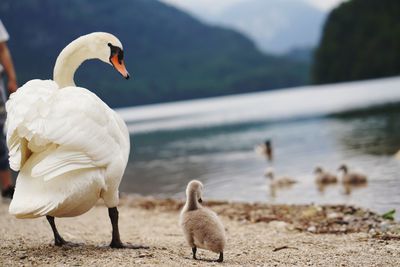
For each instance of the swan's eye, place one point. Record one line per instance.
(116, 51)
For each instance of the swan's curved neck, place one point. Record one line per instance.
(70, 58)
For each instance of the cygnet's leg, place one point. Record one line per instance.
(58, 240)
(221, 257)
(194, 250)
(116, 241)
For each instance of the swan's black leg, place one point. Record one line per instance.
(58, 240)
(221, 257)
(116, 241)
(194, 250)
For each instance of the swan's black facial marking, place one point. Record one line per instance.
(115, 50)
(117, 60)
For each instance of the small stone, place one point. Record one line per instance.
(372, 231)
(312, 229)
(279, 225)
(334, 215)
(348, 218)
(384, 226)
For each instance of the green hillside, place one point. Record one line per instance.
(361, 40)
(171, 55)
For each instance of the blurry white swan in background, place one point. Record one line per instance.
(70, 148)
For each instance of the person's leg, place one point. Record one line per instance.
(7, 188)
(5, 177)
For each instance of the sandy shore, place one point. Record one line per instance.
(258, 234)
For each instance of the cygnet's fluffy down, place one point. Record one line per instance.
(352, 177)
(201, 226)
(324, 177)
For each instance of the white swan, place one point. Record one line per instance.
(70, 148)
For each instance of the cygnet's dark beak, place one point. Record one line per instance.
(200, 200)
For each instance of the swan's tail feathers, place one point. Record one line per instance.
(70, 194)
(45, 210)
(29, 213)
(61, 161)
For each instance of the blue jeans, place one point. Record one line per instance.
(3, 144)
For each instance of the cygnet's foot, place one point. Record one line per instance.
(221, 257)
(194, 250)
(120, 245)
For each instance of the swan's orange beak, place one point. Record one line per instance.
(119, 65)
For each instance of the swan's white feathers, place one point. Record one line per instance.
(72, 117)
(22, 108)
(73, 131)
(61, 161)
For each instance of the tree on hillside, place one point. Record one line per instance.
(361, 40)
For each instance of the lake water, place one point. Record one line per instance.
(213, 140)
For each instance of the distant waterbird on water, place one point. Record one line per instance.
(324, 177)
(284, 181)
(354, 178)
(69, 147)
(265, 149)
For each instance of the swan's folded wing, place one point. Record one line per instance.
(72, 118)
(24, 106)
(80, 121)
(59, 161)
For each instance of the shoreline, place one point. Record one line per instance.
(258, 234)
(313, 218)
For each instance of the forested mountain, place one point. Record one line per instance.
(171, 55)
(361, 40)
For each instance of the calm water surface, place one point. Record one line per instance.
(213, 140)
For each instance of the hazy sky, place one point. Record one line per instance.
(275, 28)
(217, 5)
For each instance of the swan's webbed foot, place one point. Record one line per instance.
(116, 241)
(58, 240)
(120, 245)
(63, 243)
